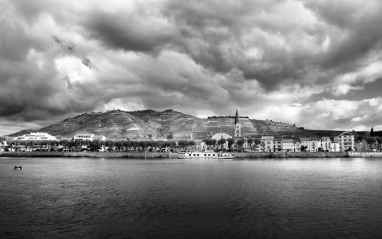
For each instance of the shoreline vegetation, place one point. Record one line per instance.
(168, 155)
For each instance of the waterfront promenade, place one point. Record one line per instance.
(166, 155)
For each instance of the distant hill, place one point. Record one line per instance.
(148, 124)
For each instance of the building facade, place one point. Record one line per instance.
(288, 145)
(37, 136)
(221, 136)
(267, 141)
(325, 144)
(89, 137)
(278, 144)
(346, 141)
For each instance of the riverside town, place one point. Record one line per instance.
(233, 137)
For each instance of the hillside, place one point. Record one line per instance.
(148, 124)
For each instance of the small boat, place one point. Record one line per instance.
(205, 155)
(18, 168)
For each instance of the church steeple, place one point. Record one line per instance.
(237, 125)
(237, 117)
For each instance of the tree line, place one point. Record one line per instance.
(375, 133)
(110, 145)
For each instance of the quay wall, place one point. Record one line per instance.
(365, 154)
(258, 155)
(317, 154)
(290, 155)
(166, 155)
(92, 154)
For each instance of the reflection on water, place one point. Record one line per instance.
(108, 198)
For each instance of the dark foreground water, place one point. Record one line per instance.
(109, 198)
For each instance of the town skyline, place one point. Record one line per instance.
(313, 64)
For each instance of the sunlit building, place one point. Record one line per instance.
(89, 137)
(346, 141)
(37, 136)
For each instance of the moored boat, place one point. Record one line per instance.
(205, 155)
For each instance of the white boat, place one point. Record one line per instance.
(205, 155)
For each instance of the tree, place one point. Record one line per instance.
(250, 141)
(372, 132)
(221, 141)
(210, 141)
(379, 141)
(240, 142)
(370, 140)
(230, 142)
(257, 141)
(170, 136)
(304, 148)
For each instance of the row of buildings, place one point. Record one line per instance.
(41, 136)
(342, 142)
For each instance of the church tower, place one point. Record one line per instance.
(237, 125)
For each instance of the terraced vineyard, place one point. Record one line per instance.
(150, 124)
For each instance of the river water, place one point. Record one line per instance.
(117, 198)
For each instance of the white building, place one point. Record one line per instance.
(334, 147)
(99, 138)
(325, 144)
(221, 136)
(38, 136)
(288, 145)
(305, 143)
(291, 145)
(89, 137)
(346, 141)
(310, 144)
(297, 145)
(83, 136)
(268, 143)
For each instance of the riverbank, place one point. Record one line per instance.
(166, 155)
(91, 154)
(291, 155)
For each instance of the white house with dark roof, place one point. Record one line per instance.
(83, 136)
(288, 145)
(310, 144)
(99, 138)
(325, 144)
(89, 137)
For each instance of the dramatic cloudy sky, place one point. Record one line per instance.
(316, 64)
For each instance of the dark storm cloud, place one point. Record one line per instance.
(214, 35)
(130, 33)
(30, 86)
(62, 57)
(360, 26)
